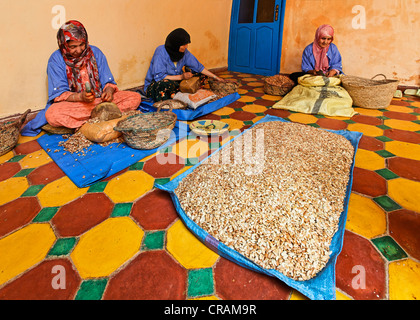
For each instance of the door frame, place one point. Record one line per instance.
(235, 14)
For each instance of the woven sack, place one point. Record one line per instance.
(9, 133)
(370, 93)
(278, 85)
(147, 130)
(190, 85)
(223, 89)
(101, 131)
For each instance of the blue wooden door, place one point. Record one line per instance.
(256, 31)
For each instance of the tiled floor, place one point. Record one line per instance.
(122, 239)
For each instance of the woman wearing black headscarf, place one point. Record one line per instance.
(166, 68)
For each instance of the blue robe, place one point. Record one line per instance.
(162, 66)
(58, 84)
(333, 55)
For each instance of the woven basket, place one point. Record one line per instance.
(278, 85)
(223, 88)
(9, 133)
(147, 130)
(370, 93)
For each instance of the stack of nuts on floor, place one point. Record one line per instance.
(280, 211)
(98, 129)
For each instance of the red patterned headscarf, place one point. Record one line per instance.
(75, 31)
(320, 54)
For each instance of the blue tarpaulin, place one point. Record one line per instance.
(322, 286)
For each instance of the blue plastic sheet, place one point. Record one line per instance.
(189, 114)
(97, 162)
(322, 286)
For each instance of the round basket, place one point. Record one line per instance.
(223, 88)
(9, 133)
(278, 85)
(147, 130)
(370, 93)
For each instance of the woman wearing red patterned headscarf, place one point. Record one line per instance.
(79, 78)
(322, 56)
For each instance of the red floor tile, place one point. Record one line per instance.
(265, 103)
(154, 211)
(396, 102)
(404, 226)
(402, 135)
(163, 166)
(331, 124)
(371, 144)
(8, 170)
(152, 275)
(367, 120)
(360, 260)
(400, 115)
(27, 147)
(281, 113)
(242, 115)
(17, 213)
(39, 283)
(82, 214)
(405, 168)
(45, 174)
(368, 183)
(233, 282)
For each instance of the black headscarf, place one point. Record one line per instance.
(177, 38)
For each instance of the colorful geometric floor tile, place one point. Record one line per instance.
(121, 238)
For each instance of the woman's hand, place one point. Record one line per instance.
(187, 75)
(108, 94)
(86, 96)
(332, 73)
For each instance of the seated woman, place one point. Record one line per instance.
(166, 68)
(322, 56)
(74, 64)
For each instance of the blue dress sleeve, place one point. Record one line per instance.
(334, 57)
(191, 61)
(105, 74)
(308, 60)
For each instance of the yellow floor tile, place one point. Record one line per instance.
(23, 249)
(369, 160)
(106, 247)
(369, 112)
(6, 157)
(246, 99)
(405, 192)
(35, 159)
(399, 109)
(254, 108)
(404, 149)
(60, 192)
(129, 186)
(366, 129)
(303, 118)
(402, 125)
(188, 148)
(12, 189)
(225, 111)
(233, 124)
(404, 279)
(187, 249)
(365, 217)
(23, 139)
(271, 98)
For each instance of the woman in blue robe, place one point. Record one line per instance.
(166, 68)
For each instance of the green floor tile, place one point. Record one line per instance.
(383, 127)
(98, 187)
(46, 214)
(200, 282)
(349, 121)
(62, 247)
(23, 172)
(191, 161)
(389, 248)
(91, 289)
(154, 240)
(17, 158)
(385, 154)
(387, 203)
(214, 145)
(225, 117)
(384, 139)
(121, 210)
(315, 125)
(387, 174)
(32, 191)
(137, 166)
(416, 121)
(162, 181)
